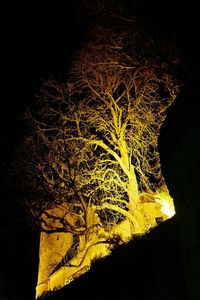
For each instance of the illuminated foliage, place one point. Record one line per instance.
(92, 156)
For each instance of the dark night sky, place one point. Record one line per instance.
(39, 42)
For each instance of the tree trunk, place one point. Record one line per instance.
(132, 185)
(133, 193)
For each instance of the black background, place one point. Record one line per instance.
(39, 42)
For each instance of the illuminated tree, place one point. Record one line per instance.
(92, 151)
(95, 137)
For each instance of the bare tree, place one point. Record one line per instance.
(90, 165)
(93, 144)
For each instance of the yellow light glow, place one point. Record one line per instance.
(167, 204)
(168, 209)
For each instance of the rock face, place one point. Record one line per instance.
(64, 256)
(150, 267)
(53, 248)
